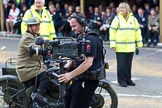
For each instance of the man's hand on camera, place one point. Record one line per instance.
(65, 77)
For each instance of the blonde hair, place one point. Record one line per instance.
(126, 6)
(43, 1)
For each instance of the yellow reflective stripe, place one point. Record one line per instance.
(44, 35)
(112, 40)
(126, 29)
(52, 33)
(113, 28)
(31, 13)
(125, 42)
(137, 29)
(45, 21)
(25, 21)
(41, 21)
(139, 41)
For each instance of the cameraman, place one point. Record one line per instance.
(80, 92)
(29, 68)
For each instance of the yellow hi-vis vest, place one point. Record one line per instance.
(47, 30)
(125, 36)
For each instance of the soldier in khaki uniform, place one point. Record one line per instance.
(29, 68)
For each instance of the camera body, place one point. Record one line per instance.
(71, 49)
(62, 47)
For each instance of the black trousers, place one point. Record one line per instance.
(153, 37)
(41, 82)
(144, 35)
(79, 94)
(124, 65)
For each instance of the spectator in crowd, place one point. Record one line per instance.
(157, 9)
(66, 5)
(23, 10)
(59, 8)
(116, 11)
(107, 19)
(70, 11)
(153, 27)
(134, 9)
(56, 17)
(77, 9)
(143, 21)
(50, 3)
(17, 25)
(65, 28)
(47, 30)
(125, 36)
(147, 9)
(95, 20)
(30, 3)
(22, 4)
(154, 3)
(101, 9)
(112, 7)
(89, 12)
(12, 18)
(7, 6)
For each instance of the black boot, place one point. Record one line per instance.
(38, 100)
(131, 83)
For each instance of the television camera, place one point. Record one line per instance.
(61, 47)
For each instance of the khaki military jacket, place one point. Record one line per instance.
(27, 67)
(154, 22)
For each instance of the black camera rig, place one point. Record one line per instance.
(61, 47)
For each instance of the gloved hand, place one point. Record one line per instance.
(137, 51)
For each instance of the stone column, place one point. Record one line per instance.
(1, 16)
(82, 6)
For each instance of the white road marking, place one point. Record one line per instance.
(134, 95)
(143, 96)
(133, 78)
(160, 50)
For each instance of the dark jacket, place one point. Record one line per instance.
(56, 17)
(93, 25)
(142, 20)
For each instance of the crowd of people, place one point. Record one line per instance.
(99, 16)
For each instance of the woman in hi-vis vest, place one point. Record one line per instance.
(125, 38)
